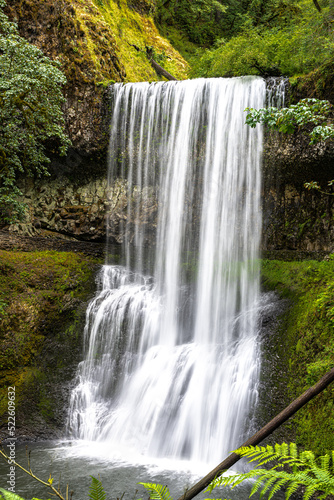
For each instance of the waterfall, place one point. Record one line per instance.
(171, 350)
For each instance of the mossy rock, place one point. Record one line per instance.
(43, 298)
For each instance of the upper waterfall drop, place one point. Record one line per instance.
(172, 355)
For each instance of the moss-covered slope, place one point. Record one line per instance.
(42, 307)
(307, 334)
(97, 43)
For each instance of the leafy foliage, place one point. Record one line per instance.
(30, 113)
(287, 120)
(206, 21)
(315, 475)
(96, 491)
(201, 20)
(157, 491)
(270, 38)
(315, 185)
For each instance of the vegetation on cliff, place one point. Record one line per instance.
(42, 305)
(307, 334)
(98, 42)
(135, 33)
(30, 113)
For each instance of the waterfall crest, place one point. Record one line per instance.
(171, 351)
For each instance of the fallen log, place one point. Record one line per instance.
(159, 69)
(261, 434)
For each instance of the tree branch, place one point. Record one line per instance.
(261, 434)
(31, 474)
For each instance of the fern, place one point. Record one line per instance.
(315, 475)
(157, 491)
(96, 491)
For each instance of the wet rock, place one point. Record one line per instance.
(294, 218)
(86, 211)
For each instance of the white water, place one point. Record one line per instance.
(171, 351)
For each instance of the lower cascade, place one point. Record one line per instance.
(172, 356)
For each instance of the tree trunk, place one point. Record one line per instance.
(261, 434)
(161, 71)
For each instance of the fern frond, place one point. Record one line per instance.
(279, 484)
(294, 485)
(308, 457)
(279, 477)
(282, 450)
(323, 476)
(262, 454)
(231, 481)
(269, 485)
(96, 491)
(293, 450)
(325, 463)
(256, 486)
(157, 491)
(311, 489)
(265, 454)
(315, 474)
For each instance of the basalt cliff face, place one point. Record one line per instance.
(294, 218)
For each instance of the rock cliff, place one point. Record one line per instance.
(293, 217)
(96, 43)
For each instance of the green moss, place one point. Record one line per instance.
(100, 41)
(308, 332)
(133, 33)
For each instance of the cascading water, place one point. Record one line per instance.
(172, 356)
